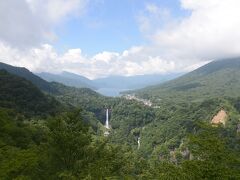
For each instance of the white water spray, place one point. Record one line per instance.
(138, 141)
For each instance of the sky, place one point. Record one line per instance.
(99, 38)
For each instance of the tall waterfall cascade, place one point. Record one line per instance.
(107, 126)
(107, 120)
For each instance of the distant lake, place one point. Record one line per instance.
(113, 92)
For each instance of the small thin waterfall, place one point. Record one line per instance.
(138, 141)
(107, 120)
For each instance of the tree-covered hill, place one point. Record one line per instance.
(25, 73)
(217, 79)
(90, 101)
(179, 105)
(174, 140)
(20, 94)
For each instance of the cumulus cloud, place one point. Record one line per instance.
(210, 31)
(45, 58)
(26, 23)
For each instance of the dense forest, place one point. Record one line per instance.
(57, 132)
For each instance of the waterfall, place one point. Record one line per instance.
(138, 141)
(107, 121)
(107, 130)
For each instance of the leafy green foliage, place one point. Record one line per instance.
(68, 144)
(127, 120)
(18, 151)
(212, 156)
(84, 98)
(64, 149)
(20, 94)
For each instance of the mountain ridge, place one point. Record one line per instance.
(118, 83)
(69, 79)
(25, 73)
(215, 79)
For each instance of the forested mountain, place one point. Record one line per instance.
(217, 79)
(68, 79)
(84, 98)
(173, 138)
(180, 104)
(25, 73)
(91, 102)
(40, 140)
(137, 115)
(20, 94)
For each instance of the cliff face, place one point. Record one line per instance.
(220, 118)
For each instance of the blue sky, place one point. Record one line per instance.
(109, 25)
(99, 38)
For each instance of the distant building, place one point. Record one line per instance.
(133, 97)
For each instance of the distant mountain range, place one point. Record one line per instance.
(217, 79)
(68, 79)
(109, 84)
(133, 82)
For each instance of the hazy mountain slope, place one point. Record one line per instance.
(133, 82)
(216, 79)
(20, 94)
(25, 73)
(68, 79)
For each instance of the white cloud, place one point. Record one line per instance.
(153, 17)
(54, 11)
(45, 58)
(105, 56)
(211, 31)
(72, 56)
(26, 23)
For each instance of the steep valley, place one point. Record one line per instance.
(174, 132)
